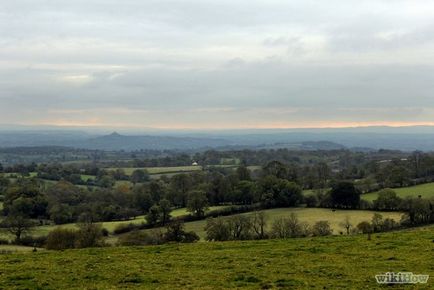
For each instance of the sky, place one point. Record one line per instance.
(201, 64)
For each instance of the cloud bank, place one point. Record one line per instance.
(216, 64)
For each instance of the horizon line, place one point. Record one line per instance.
(182, 128)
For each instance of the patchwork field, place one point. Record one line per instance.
(309, 215)
(334, 262)
(424, 190)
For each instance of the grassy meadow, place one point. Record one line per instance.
(424, 190)
(333, 262)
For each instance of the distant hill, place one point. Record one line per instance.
(116, 141)
(358, 139)
(113, 141)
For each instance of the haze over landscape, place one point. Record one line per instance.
(212, 65)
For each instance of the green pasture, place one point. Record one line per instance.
(332, 262)
(424, 190)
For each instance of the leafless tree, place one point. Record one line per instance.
(259, 223)
(346, 224)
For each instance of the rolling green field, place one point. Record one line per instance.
(309, 215)
(333, 262)
(425, 190)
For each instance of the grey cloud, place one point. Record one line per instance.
(211, 62)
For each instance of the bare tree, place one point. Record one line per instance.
(289, 227)
(346, 224)
(259, 222)
(240, 227)
(293, 225)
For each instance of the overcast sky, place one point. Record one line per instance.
(216, 64)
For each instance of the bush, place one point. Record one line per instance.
(104, 232)
(134, 238)
(190, 237)
(125, 228)
(156, 237)
(289, 227)
(311, 200)
(321, 228)
(61, 239)
(387, 200)
(176, 233)
(140, 238)
(364, 227)
(89, 235)
(390, 224)
(30, 241)
(217, 230)
(4, 241)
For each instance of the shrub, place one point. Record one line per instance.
(217, 230)
(390, 224)
(134, 238)
(321, 228)
(140, 238)
(289, 227)
(31, 241)
(190, 237)
(387, 199)
(364, 227)
(104, 232)
(240, 227)
(176, 233)
(156, 237)
(89, 235)
(60, 239)
(311, 200)
(4, 241)
(125, 228)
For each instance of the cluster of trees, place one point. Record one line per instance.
(87, 235)
(248, 227)
(256, 225)
(31, 201)
(309, 169)
(276, 186)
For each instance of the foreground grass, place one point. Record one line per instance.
(424, 190)
(334, 262)
(308, 215)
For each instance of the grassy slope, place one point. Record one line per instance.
(309, 215)
(425, 190)
(335, 262)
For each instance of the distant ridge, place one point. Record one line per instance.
(364, 139)
(115, 141)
